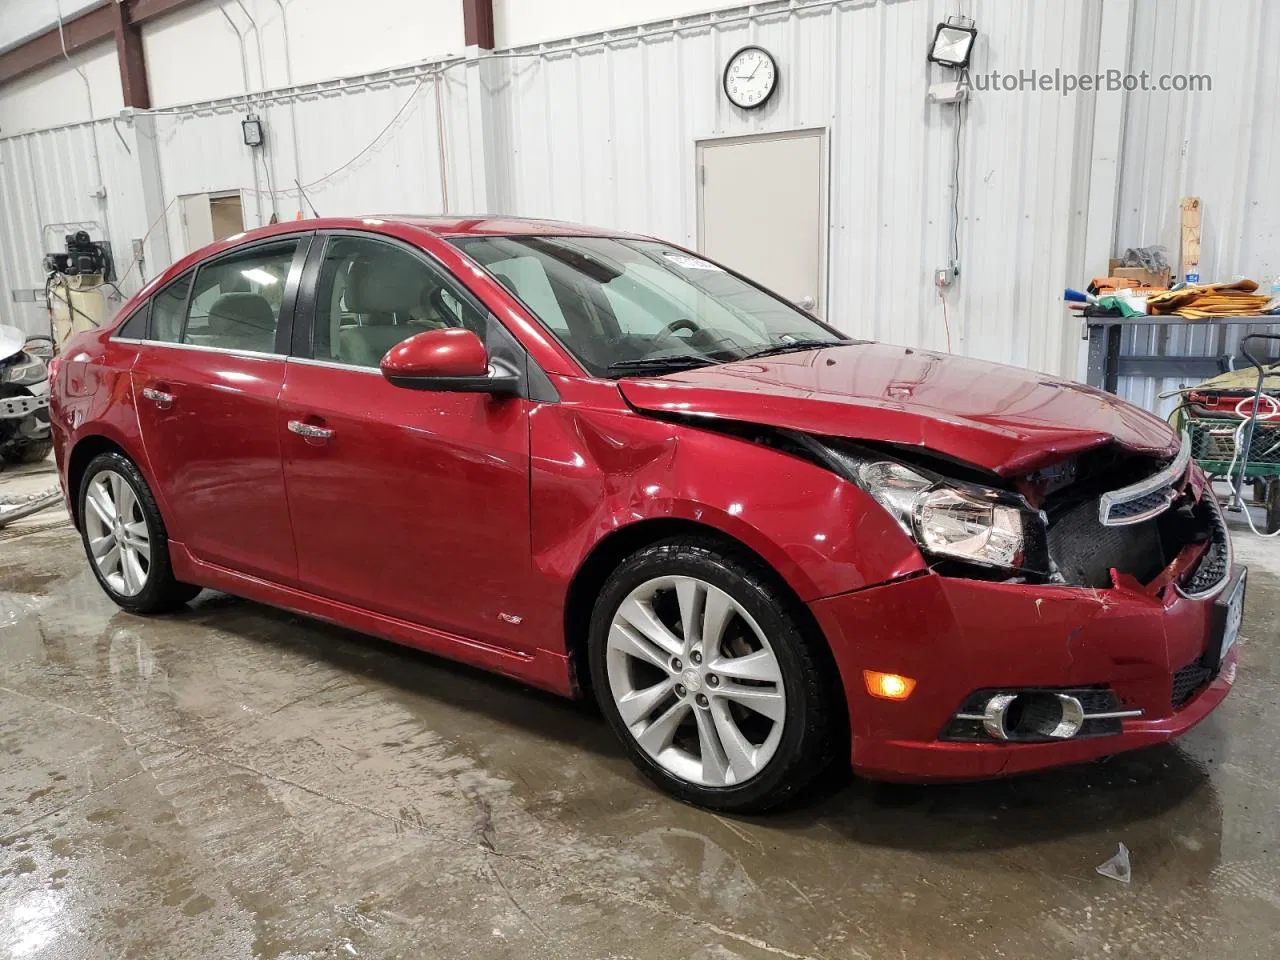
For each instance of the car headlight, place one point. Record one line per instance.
(26, 371)
(957, 520)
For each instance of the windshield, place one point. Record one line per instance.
(629, 306)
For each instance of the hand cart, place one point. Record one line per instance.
(1235, 431)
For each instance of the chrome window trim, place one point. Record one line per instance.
(1166, 477)
(203, 348)
(334, 364)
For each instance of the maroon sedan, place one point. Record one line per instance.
(601, 463)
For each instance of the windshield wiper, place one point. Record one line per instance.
(790, 346)
(679, 361)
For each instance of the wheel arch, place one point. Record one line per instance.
(78, 460)
(613, 549)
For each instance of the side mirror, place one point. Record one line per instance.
(452, 359)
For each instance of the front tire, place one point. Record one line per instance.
(125, 539)
(29, 451)
(702, 667)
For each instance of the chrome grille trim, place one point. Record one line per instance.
(1154, 484)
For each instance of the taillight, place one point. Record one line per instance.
(54, 364)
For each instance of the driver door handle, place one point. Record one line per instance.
(309, 430)
(161, 399)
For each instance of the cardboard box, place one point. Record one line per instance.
(1145, 278)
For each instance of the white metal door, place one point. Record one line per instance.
(762, 210)
(197, 220)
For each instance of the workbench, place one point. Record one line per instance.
(1216, 347)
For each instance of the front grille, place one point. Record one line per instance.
(1147, 506)
(1148, 497)
(1085, 551)
(1188, 681)
(1215, 563)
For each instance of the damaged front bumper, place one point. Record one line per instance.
(1149, 661)
(24, 411)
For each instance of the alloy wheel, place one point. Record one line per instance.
(695, 681)
(119, 541)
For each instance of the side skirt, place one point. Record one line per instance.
(544, 669)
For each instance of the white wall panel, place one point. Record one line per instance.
(56, 94)
(606, 133)
(1222, 145)
(520, 22)
(196, 54)
(333, 38)
(363, 148)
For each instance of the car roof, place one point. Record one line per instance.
(482, 225)
(457, 225)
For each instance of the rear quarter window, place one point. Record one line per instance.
(135, 327)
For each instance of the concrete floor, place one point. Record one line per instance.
(235, 781)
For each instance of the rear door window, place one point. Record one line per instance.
(236, 300)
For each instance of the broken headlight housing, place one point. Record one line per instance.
(953, 520)
(25, 369)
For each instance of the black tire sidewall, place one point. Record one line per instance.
(27, 451)
(784, 638)
(158, 594)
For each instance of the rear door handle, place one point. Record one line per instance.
(161, 399)
(309, 430)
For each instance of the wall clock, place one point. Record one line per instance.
(750, 77)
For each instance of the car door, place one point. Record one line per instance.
(206, 385)
(410, 503)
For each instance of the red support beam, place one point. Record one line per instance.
(477, 23)
(93, 26)
(133, 66)
(79, 32)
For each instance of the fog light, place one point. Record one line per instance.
(1033, 716)
(888, 686)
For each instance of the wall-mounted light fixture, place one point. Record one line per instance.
(953, 42)
(251, 127)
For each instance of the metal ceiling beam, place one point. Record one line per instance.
(79, 32)
(133, 66)
(83, 31)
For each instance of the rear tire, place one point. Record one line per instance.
(736, 715)
(1273, 505)
(125, 539)
(30, 451)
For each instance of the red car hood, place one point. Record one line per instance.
(1004, 419)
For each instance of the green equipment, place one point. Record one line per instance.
(1234, 424)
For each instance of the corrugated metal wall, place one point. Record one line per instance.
(395, 117)
(51, 183)
(1222, 146)
(605, 133)
(603, 129)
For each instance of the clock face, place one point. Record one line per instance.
(750, 77)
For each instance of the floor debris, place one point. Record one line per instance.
(1117, 868)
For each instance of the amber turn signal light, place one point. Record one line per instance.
(888, 686)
